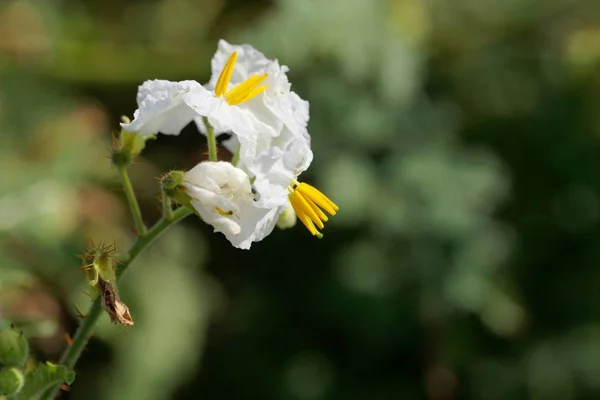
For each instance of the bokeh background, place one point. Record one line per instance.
(461, 140)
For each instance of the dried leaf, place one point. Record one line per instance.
(116, 309)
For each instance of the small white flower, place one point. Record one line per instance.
(222, 196)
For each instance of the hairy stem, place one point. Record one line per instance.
(84, 332)
(133, 203)
(167, 206)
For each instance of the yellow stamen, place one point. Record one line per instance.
(225, 77)
(257, 91)
(319, 198)
(307, 222)
(246, 90)
(307, 202)
(300, 203)
(317, 210)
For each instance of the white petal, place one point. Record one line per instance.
(249, 62)
(298, 155)
(290, 109)
(257, 224)
(275, 169)
(228, 226)
(161, 107)
(220, 177)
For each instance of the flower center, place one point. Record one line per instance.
(243, 92)
(309, 203)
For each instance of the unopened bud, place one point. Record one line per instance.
(287, 219)
(171, 186)
(14, 348)
(98, 263)
(127, 146)
(12, 380)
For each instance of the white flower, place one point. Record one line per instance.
(222, 196)
(277, 160)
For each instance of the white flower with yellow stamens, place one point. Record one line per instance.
(277, 160)
(167, 107)
(278, 100)
(277, 106)
(222, 196)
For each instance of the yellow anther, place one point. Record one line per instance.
(246, 90)
(225, 77)
(299, 202)
(318, 198)
(307, 202)
(309, 224)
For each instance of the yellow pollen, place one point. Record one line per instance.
(308, 203)
(243, 92)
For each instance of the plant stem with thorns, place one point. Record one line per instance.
(132, 200)
(84, 332)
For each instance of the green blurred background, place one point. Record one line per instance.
(461, 140)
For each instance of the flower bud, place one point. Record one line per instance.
(14, 348)
(128, 146)
(171, 187)
(98, 263)
(287, 219)
(12, 380)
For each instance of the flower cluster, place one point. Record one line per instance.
(248, 96)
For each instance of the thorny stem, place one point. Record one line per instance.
(84, 332)
(133, 203)
(212, 141)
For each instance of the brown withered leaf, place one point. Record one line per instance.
(114, 307)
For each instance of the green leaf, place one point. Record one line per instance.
(43, 377)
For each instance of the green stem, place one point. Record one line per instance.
(212, 141)
(167, 206)
(133, 203)
(83, 334)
